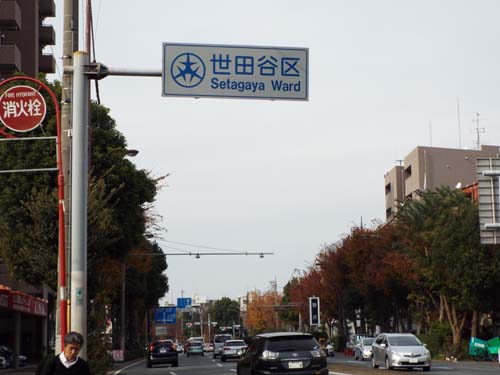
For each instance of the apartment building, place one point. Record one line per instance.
(23, 35)
(430, 167)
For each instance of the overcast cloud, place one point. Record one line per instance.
(290, 177)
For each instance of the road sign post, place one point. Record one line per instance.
(223, 71)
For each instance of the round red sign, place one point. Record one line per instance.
(22, 108)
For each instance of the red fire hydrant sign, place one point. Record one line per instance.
(22, 108)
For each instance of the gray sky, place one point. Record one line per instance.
(290, 177)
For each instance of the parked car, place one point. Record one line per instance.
(400, 350)
(363, 348)
(219, 341)
(7, 358)
(194, 348)
(283, 353)
(232, 349)
(162, 352)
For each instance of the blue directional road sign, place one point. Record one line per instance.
(314, 312)
(165, 315)
(182, 303)
(223, 71)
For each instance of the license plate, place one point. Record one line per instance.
(413, 360)
(295, 365)
(163, 350)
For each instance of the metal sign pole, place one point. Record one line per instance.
(79, 198)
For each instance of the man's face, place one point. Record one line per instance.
(71, 351)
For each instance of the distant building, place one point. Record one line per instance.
(23, 35)
(426, 168)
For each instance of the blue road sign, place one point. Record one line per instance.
(314, 312)
(204, 70)
(165, 315)
(182, 303)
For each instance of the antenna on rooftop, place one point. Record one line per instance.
(458, 118)
(478, 130)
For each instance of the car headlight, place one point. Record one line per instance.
(269, 355)
(396, 356)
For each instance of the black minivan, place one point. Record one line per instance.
(283, 353)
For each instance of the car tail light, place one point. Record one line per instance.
(268, 355)
(227, 348)
(151, 347)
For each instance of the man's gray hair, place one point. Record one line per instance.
(73, 338)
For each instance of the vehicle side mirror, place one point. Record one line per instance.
(424, 345)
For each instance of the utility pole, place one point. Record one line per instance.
(79, 197)
(70, 45)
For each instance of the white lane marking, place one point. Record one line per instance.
(218, 364)
(133, 364)
(232, 369)
(172, 373)
(338, 373)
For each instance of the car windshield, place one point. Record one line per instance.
(367, 342)
(404, 341)
(285, 344)
(195, 343)
(235, 343)
(222, 338)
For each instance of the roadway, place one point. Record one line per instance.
(339, 365)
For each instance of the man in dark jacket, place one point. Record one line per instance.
(68, 362)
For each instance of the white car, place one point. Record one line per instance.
(400, 350)
(363, 349)
(232, 349)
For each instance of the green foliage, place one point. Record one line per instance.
(119, 201)
(288, 314)
(225, 312)
(436, 338)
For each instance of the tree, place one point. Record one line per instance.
(261, 312)
(225, 312)
(443, 231)
(120, 219)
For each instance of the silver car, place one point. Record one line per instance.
(233, 349)
(400, 350)
(363, 348)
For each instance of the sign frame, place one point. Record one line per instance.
(287, 65)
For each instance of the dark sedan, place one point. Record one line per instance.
(162, 352)
(283, 353)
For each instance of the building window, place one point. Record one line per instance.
(387, 188)
(408, 171)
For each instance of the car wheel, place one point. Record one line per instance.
(427, 368)
(149, 365)
(374, 363)
(387, 364)
(223, 359)
(215, 356)
(175, 364)
(187, 354)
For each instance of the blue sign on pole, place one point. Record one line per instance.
(165, 315)
(314, 311)
(182, 303)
